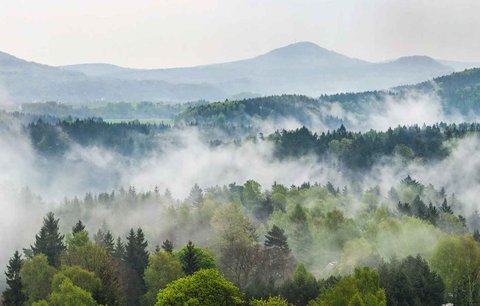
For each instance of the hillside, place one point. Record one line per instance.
(458, 92)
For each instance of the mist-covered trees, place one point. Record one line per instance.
(312, 247)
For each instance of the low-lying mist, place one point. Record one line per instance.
(180, 164)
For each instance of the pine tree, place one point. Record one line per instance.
(167, 246)
(276, 238)
(49, 241)
(119, 252)
(13, 295)
(190, 261)
(78, 227)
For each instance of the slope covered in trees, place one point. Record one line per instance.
(310, 244)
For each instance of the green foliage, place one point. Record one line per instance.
(205, 287)
(79, 277)
(49, 241)
(271, 301)
(194, 258)
(13, 294)
(77, 239)
(78, 227)
(67, 294)
(136, 251)
(457, 261)
(301, 288)
(361, 288)
(410, 282)
(167, 246)
(162, 269)
(276, 238)
(95, 258)
(37, 275)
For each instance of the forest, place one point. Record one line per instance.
(300, 245)
(280, 200)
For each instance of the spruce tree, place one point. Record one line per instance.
(78, 227)
(119, 252)
(49, 241)
(190, 261)
(130, 248)
(13, 295)
(136, 253)
(108, 243)
(141, 252)
(167, 246)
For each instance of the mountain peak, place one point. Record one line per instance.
(303, 48)
(416, 60)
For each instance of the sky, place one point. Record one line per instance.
(174, 33)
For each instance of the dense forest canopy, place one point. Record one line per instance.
(280, 200)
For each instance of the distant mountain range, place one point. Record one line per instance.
(303, 68)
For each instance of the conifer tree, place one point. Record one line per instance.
(167, 246)
(141, 252)
(13, 295)
(276, 238)
(136, 253)
(78, 227)
(190, 261)
(109, 243)
(130, 248)
(49, 241)
(119, 252)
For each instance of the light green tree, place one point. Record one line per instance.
(67, 294)
(162, 269)
(457, 261)
(79, 277)
(271, 301)
(205, 287)
(37, 275)
(362, 288)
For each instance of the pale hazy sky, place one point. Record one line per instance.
(168, 33)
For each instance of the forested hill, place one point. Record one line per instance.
(458, 92)
(354, 150)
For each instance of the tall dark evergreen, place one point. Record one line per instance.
(109, 243)
(119, 252)
(141, 251)
(276, 238)
(49, 241)
(13, 295)
(79, 226)
(190, 260)
(136, 253)
(167, 246)
(130, 248)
